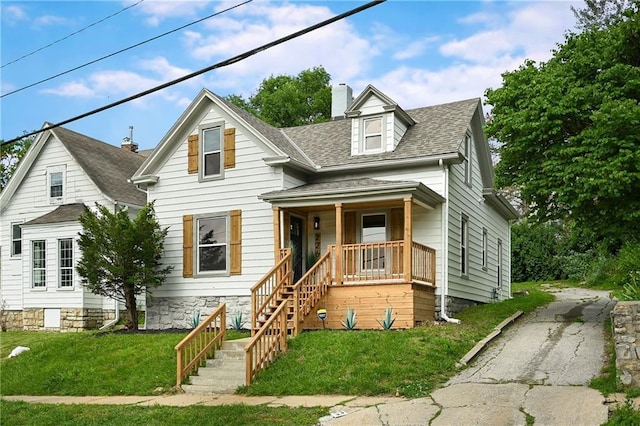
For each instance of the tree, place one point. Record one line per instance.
(287, 101)
(599, 14)
(570, 132)
(10, 156)
(120, 256)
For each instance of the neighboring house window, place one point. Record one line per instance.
(212, 152)
(65, 256)
(467, 159)
(374, 230)
(39, 264)
(464, 245)
(16, 239)
(485, 247)
(499, 263)
(212, 244)
(372, 135)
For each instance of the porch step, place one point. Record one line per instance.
(224, 373)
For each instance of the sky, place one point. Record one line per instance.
(419, 53)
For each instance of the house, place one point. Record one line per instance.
(398, 205)
(62, 172)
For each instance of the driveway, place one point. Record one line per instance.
(536, 372)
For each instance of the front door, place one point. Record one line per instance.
(296, 241)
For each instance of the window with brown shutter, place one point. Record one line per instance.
(235, 242)
(187, 246)
(192, 155)
(229, 148)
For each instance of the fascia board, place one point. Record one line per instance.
(450, 158)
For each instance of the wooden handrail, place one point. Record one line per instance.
(311, 287)
(192, 351)
(266, 343)
(266, 291)
(424, 263)
(372, 261)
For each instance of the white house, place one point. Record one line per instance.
(400, 201)
(62, 172)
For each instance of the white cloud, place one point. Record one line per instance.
(49, 20)
(71, 90)
(163, 68)
(415, 48)
(160, 10)
(13, 13)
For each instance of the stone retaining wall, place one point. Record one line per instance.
(71, 319)
(177, 312)
(625, 318)
(454, 305)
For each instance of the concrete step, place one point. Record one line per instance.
(224, 373)
(213, 376)
(232, 364)
(238, 345)
(206, 390)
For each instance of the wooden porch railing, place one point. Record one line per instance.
(267, 343)
(266, 291)
(311, 287)
(192, 351)
(423, 263)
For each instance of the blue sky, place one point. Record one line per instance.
(419, 53)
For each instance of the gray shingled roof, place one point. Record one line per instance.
(64, 213)
(438, 131)
(347, 185)
(109, 167)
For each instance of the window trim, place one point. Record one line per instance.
(201, 152)
(13, 239)
(196, 245)
(61, 268)
(464, 245)
(41, 268)
(500, 265)
(485, 249)
(468, 140)
(364, 135)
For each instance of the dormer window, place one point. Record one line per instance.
(372, 142)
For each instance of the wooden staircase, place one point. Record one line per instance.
(222, 374)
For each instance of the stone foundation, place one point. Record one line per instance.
(177, 312)
(11, 320)
(625, 318)
(71, 319)
(454, 305)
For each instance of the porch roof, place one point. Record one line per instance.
(353, 190)
(63, 213)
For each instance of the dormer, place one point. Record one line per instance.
(377, 123)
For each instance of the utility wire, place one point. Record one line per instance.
(125, 49)
(224, 63)
(72, 34)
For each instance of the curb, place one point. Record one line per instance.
(482, 343)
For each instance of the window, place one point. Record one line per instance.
(212, 152)
(39, 264)
(464, 248)
(499, 263)
(212, 244)
(372, 140)
(485, 246)
(467, 159)
(55, 185)
(374, 230)
(16, 239)
(65, 256)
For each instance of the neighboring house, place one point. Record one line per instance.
(401, 203)
(62, 172)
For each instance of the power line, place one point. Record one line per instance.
(125, 49)
(72, 34)
(224, 63)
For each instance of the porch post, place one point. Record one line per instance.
(276, 234)
(408, 240)
(339, 244)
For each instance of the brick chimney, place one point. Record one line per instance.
(127, 142)
(341, 100)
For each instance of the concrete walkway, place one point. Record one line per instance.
(535, 372)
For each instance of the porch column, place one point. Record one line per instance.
(408, 239)
(276, 234)
(339, 244)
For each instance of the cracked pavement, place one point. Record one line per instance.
(536, 372)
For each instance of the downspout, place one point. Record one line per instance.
(116, 319)
(445, 248)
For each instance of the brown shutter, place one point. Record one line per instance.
(235, 242)
(397, 224)
(350, 228)
(187, 246)
(229, 148)
(192, 166)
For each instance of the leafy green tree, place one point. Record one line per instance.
(121, 256)
(10, 156)
(600, 14)
(570, 132)
(287, 101)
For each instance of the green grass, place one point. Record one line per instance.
(21, 413)
(410, 362)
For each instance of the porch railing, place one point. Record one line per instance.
(311, 287)
(265, 293)
(265, 345)
(423, 263)
(192, 351)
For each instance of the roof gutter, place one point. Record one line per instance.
(445, 249)
(285, 160)
(451, 158)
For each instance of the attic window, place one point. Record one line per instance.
(56, 183)
(212, 151)
(372, 135)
